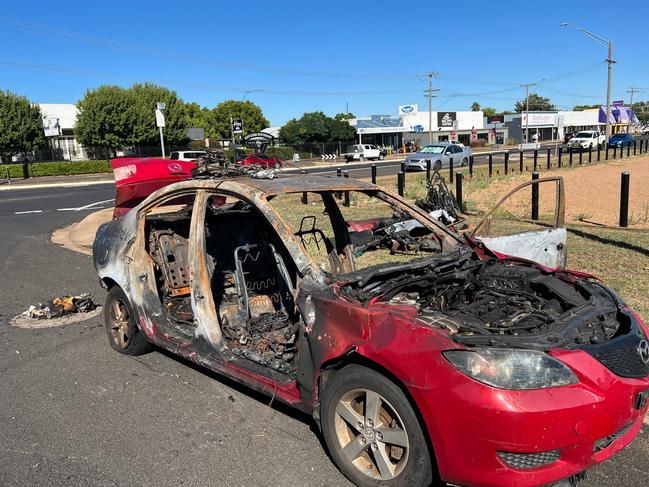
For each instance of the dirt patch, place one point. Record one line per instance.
(592, 192)
(79, 236)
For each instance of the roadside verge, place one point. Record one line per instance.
(79, 236)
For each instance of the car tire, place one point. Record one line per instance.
(464, 162)
(357, 449)
(381, 157)
(361, 158)
(124, 335)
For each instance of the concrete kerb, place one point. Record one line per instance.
(79, 236)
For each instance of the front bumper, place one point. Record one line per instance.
(494, 437)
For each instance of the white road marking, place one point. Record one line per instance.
(27, 212)
(86, 207)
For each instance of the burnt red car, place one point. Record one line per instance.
(262, 160)
(421, 354)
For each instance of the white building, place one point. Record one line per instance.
(412, 125)
(65, 114)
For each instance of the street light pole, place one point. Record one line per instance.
(602, 42)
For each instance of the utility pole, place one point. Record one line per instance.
(632, 91)
(429, 93)
(527, 109)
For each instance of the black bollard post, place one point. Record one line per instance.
(590, 154)
(470, 166)
(428, 169)
(305, 195)
(634, 147)
(520, 161)
(536, 159)
(622, 152)
(400, 182)
(403, 166)
(506, 162)
(491, 164)
(581, 157)
(346, 200)
(606, 153)
(535, 197)
(569, 157)
(559, 158)
(599, 152)
(628, 150)
(458, 191)
(339, 172)
(549, 155)
(373, 171)
(615, 152)
(624, 200)
(450, 170)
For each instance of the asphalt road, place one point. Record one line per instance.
(73, 412)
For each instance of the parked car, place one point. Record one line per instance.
(361, 152)
(620, 140)
(585, 140)
(261, 160)
(186, 155)
(489, 369)
(442, 152)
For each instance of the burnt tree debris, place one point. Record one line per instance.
(439, 197)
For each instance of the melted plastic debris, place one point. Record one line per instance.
(61, 306)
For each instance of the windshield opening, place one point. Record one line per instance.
(433, 149)
(372, 230)
(584, 135)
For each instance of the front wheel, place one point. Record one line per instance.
(372, 432)
(381, 157)
(464, 162)
(361, 158)
(123, 334)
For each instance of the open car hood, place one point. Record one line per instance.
(138, 177)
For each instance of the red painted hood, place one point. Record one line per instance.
(138, 177)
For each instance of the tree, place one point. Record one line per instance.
(105, 118)
(143, 99)
(21, 126)
(580, 108)
(641, 109)
(251, 115)
(340, 130)
(315, 127)
(201, 117)
(489, 111)
(536, 104)
(475, 106)
(344, 116)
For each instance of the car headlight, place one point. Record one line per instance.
(511, 369)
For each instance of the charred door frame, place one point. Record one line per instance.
(140, 265)
(559, 209)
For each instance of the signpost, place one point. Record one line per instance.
(237, 126)
(160, 122)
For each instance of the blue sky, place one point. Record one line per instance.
(308, 56)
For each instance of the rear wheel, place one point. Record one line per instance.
(123, 334)
(372, 432)
(361, 158)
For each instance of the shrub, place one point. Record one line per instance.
(479, 143)
(64, 168)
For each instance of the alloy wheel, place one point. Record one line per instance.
(119, 323)
(371, 434)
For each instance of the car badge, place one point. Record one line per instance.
(643, 351)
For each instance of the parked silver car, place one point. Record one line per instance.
(442, 151)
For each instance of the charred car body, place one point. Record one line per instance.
(418, 352)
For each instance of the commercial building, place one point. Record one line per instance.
(58, 122)
(412, 126)
(553, 125)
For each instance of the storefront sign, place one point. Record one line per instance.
(496, 119)
(446, 119)
(408, 109)
(534, 119)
